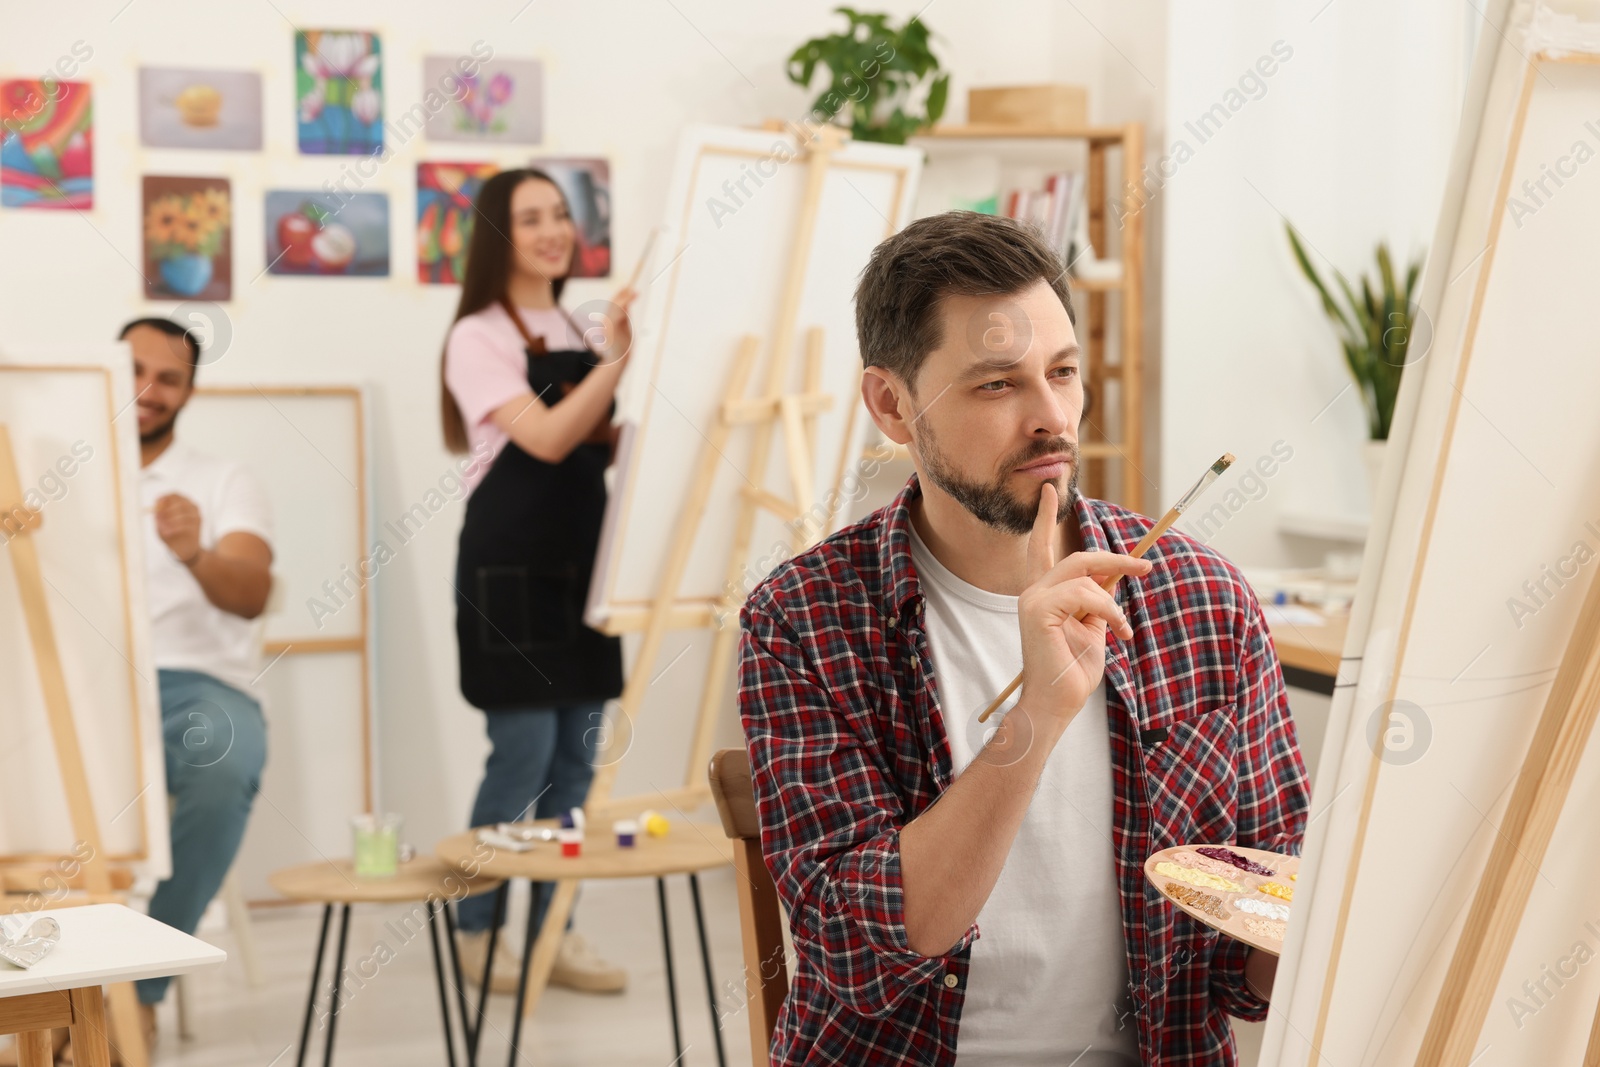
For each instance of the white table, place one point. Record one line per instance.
(99, 943)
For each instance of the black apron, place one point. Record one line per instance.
(526, 554)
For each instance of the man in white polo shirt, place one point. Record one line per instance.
(208, 554)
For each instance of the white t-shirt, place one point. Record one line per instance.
(1049, 975)
(188, 632)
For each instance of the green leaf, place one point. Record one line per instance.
(937, 96)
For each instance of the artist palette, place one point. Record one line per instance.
(1247, 893)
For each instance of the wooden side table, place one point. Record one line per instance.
(99, 943)
(422, 878)
(688, 849)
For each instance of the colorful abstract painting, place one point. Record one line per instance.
(47, 148)
(208, 109)
(339, 91)
(445, 196)
(499, 101)
(188, 231)
(587, 185)
(339, 234)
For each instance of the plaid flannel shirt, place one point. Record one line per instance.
(840, 709)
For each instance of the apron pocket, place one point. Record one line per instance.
(521, 607)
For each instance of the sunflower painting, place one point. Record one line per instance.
(188, 226)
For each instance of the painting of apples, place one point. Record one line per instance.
(445, 195)
(339, 91)
(329, 235)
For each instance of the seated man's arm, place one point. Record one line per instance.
(875, 904)
(235, 574)
(1273, 799)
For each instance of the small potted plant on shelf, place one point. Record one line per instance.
(877, 72)
(1376, 327)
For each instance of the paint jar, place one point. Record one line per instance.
(655, 824)
(572, 819)
(377, 845)
(627, 831)
(571, 840)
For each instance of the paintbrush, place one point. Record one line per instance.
(644, 257)
(1109, 583)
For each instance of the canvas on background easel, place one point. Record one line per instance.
(777, 410)
(96, 869)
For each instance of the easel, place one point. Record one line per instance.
(97, 877)
(1564, 730)
(775, 408)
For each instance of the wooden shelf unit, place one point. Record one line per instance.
(1099, 450)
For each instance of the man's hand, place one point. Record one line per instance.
(1064, 658)
(178, 524)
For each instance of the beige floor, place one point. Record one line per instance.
(393, 1020)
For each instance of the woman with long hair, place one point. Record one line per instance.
(530, 394)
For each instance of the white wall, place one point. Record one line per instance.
(1350, 141)
(621, 78)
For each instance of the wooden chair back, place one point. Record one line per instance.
(766, 971)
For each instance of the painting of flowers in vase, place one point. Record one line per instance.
(339, 91)
(188, 226)
(445, 195)
(500, 102)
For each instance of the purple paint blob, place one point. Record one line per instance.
(1234, 858)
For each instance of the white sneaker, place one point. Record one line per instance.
(473, 946)
(579, 967)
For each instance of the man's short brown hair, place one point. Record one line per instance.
(959, 252)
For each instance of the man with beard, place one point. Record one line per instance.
(958, 890)
(208, 554)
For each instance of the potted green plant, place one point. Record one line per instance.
(876, 73)
(1376, 331)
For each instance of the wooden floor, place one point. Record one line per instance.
(393, 1020)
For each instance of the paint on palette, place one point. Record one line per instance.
(1264, 908)
(1266, 928)
(1200, 863)
(1205, 902)
(1278, 889)
(1241, 862)
(1199, 878)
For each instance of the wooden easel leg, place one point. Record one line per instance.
(549, 944)
(1591, 1055)
(1541, 791)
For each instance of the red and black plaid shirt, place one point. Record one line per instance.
(840, 709)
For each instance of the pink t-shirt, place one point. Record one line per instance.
(486, 367)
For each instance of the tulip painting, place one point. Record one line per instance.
(499, 101)
(47, 145)
(339, 90)
(445, 196)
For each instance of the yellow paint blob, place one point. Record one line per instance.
(1194, 877)
(1279, 890)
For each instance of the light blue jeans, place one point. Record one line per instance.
(543, 759)
(216, 746)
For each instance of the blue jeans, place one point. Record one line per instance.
(216, 745)
(543, 759)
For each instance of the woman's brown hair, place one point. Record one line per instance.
(487, 274)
